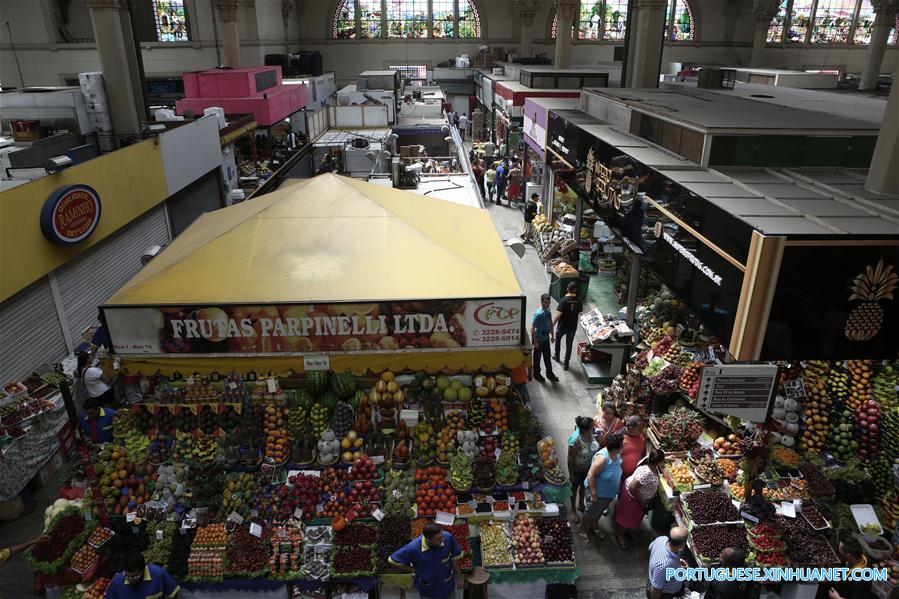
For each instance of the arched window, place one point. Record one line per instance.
(406, 19)
(607, 20)
(824, 22)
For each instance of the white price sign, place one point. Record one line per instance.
(255, 530)
(319, 362)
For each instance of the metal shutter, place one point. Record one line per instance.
(91, 278)
(203, 195)
(30, 332)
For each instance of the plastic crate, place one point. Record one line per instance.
(557, 286)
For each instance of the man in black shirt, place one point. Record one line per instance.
(732, 557)
(530, 211)
(566, 320)
(852, 553)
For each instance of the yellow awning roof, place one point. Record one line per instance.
(328, 239)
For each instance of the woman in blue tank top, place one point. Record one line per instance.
(602, 484)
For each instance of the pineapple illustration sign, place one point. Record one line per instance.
(872, 287)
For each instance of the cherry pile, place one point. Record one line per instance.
(352, 560)
(357, 534)
(710, 541)
(709, 507)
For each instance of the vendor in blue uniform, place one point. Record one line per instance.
(96, 422)
(434, 558)
(139, 580)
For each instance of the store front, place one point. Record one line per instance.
(535, 117)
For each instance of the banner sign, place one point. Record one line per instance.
(305, 328)
(70, 214)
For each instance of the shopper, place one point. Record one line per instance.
(490, 180)
(731, 558)
(502, 149)
(502, 178)
(489, 151)
(607, 423)
(634, 447)
(852, 553)
(637, 491)
(664, 553)
(92, 383)
(139, 580)
(7, 552)
(581, 449)
(434, 558)
(514, 182)
(463, 126)
(567, 313)
(96, 422)
(603, 483)
(541, 337)
(530, 213)
(478, 171)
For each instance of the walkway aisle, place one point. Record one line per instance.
(606, 571)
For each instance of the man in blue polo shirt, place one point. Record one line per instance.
(541, 338)
(664, 553)
(96, 422)
(434, 558)
(140, 581)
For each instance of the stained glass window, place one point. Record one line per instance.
(370, 13)
(776, 26)
(469, 20)
(682, 16)
(589, 19)
(407, 18)
(171, 21)
(800, 18)
(443, 15)
(345, 20)
(894, 33)
(833, 21)
(615, 19)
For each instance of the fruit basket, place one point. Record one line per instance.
(67, 533)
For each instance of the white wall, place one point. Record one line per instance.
(725, 32)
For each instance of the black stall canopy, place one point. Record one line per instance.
(784, 263)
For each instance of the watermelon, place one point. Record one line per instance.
(317, 381)
(343, 384)
(329, 400)
(303, 399)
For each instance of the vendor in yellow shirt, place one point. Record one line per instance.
(7, 552)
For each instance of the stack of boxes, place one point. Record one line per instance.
(477, 125)
(97, 108)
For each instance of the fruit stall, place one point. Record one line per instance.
(825, 444)
(34, 425)
(294, 429)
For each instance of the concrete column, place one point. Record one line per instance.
(648, 40)
(527, 10)
(764, 11)
(884, 20)
(226, 13)
(118, 58)
(565, 13)
(885, 162)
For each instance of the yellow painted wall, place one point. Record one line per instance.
(129, 182)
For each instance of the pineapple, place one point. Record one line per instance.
(871, 286)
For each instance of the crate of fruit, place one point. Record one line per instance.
(100, 535)
(352, 562)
